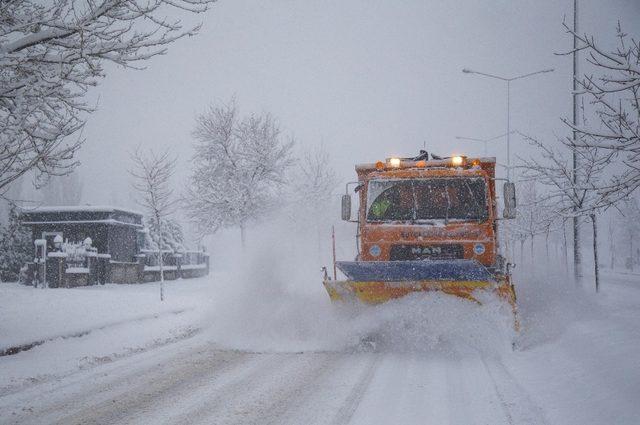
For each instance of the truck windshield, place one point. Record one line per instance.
(427, 199)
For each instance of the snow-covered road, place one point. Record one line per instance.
(201, 384)
(578, 365)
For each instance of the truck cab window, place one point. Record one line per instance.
(427, 199)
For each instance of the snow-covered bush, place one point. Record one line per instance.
(173, 237)
(77, 252)
(15, 247)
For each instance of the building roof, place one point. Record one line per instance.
(78, 208)
(67, 222)
(80, 215)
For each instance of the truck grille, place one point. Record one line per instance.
(426, 252)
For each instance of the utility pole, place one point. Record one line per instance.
(577, 255)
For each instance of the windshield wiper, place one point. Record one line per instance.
(446, 215)
(414, 212)
(475, 201)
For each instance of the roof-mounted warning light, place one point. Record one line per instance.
(451, 161)
(457, 161)
(394, 162)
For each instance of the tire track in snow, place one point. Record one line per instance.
(316, 397)
(350, 405)
(406, 388)
(304, 394)
(106, 400)
(259, 397)
(188, 405)
(203, 384)
(519, 409)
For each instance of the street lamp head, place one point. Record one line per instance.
(470, 138)
(467, 71)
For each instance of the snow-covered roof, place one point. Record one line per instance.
(78, 208)
(107, 221)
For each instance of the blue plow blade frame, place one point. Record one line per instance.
(416, 270)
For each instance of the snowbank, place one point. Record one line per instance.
(88, 325)
(30, 314)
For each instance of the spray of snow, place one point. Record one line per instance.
(271, 298)
(274, 301)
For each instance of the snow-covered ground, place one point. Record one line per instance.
(81, 327)
(273, 354)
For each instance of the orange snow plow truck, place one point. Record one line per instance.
(425, 225)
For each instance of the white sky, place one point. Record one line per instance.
(370, 79)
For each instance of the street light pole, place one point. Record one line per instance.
(484, 141)
(508, 81)
(508, 129)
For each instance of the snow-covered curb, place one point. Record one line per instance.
(8, 351)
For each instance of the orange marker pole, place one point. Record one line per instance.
(333, 240)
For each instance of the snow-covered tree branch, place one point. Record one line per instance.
(614, 95)
(52, 52)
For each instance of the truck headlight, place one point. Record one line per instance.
(478, 249)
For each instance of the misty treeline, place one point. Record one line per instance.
(594, 172)
(52, 53)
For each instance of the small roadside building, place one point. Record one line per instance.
(114, 231)
(86, 245)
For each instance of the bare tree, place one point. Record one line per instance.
(313, 183)
(51, 53)
(614, 94)
(535, 217)
(152, 174)
(573, 197)
(630, 222)
(239, 167)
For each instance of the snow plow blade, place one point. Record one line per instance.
(375, 282)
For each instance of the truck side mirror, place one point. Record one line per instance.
(509, 195)
(346, 207)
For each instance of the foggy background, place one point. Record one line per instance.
(368, 79)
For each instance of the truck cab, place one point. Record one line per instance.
(442, 209)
